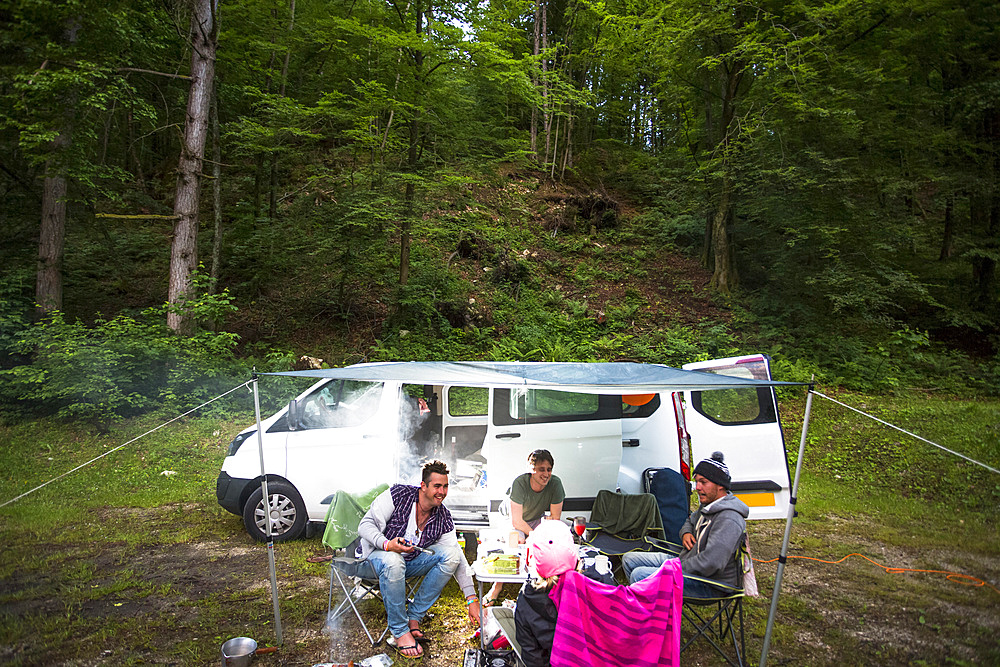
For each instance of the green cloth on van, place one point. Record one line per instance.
(627, 515)
(344, 515)
(534, 505)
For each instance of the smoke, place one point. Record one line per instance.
(420, 440)
(338, 645)
(344, 416)
(416, 442)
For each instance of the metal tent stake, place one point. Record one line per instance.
(267, 516)
(788, 531)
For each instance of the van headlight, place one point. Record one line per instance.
(239, 440)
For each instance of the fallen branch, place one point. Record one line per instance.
(149, 216)
(149, 71)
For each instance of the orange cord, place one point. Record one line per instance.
(964, 579)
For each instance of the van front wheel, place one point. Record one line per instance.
(285, 511)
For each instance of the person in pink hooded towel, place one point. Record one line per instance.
(565, 619)
(552, 553)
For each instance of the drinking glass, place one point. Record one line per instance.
(579, 527)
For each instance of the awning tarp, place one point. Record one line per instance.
(619, 377)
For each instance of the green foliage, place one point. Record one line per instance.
(15, 307)
(119, 366)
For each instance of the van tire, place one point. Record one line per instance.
(291, 511)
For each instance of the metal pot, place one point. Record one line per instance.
(238, 651)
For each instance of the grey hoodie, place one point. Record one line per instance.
(717, 529)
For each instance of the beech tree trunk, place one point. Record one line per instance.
(947, 241)
(216, 194)
(546, 110)
(52, 232)
(48, 284)
(184, 249)
(724, 277)
(409, 200)
(536, 49)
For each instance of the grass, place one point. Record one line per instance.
(121, 564)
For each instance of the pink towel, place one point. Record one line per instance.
(630, 626)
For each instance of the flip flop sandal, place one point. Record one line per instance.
(419, 635)
(411, 647)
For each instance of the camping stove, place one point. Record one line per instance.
(477, 658)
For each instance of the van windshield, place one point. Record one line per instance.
(340, 404)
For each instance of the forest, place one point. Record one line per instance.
(221, 181)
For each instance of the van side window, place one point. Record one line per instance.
(738, 406)
(341, 403)
(468, 401)
(630, 409)
(539, 406)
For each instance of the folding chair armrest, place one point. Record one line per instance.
(664, 546)
(352, 567)
(732, 590)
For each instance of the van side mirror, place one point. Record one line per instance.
(294, 416)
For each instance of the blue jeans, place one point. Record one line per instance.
(393, 571)
(640, 564)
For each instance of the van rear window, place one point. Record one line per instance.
(729, 406)
(738, 406)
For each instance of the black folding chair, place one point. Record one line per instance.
(622, 522)
(672, 497)
(719, 619)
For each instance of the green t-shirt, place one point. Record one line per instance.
(534, 505)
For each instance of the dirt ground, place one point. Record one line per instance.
(174, 604)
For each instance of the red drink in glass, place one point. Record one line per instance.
(579, 527)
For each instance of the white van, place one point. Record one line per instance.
(351, 435)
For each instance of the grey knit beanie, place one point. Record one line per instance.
(714, 470)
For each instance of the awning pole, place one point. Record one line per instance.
(788, 531)
(267, 515)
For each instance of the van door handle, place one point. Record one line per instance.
(507, 436)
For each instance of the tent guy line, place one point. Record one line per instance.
(956, 577)
(111, 451)
(903, 430)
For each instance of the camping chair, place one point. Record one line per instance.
(505, 618)
(344, 515)
(356, 577)
(672, 497)
(623, 522)
(717, 618)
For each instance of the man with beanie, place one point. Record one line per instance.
(709, 536)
